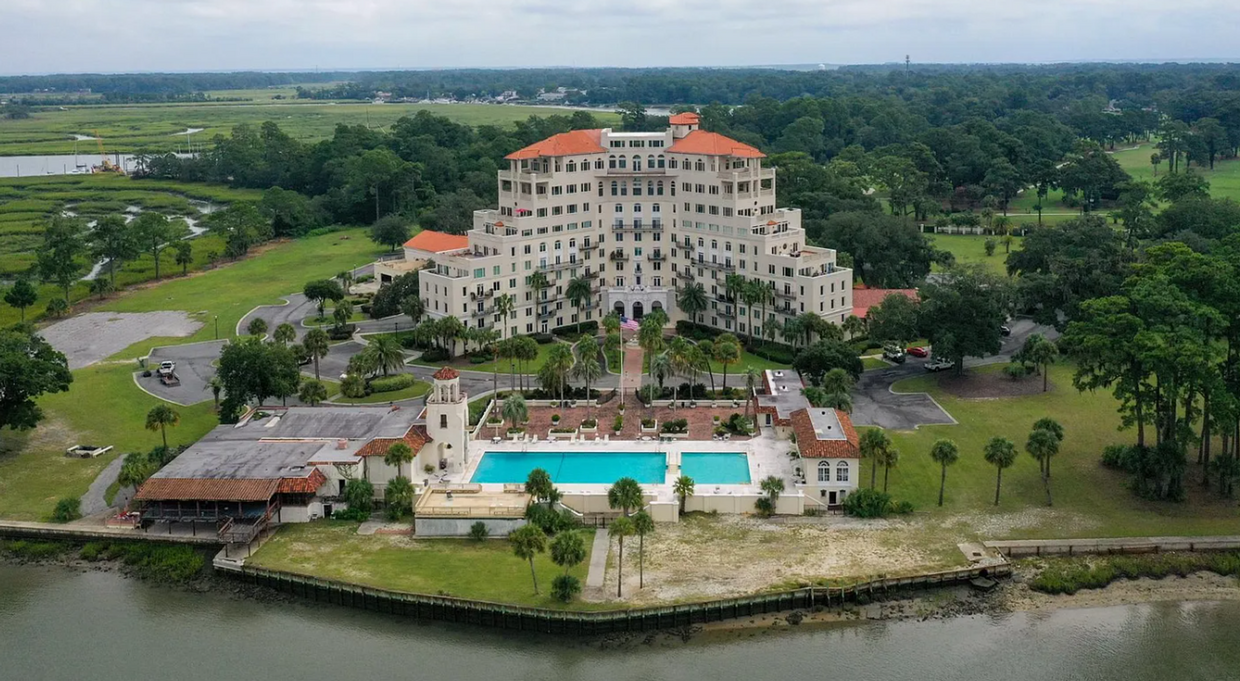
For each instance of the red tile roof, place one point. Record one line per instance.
(446, 374)
(687, 118)
(813, 448)
(204, 489)
(564, 144)
(307, 485)
(437, 242)
(415, 437)
(713, 144)
(866, 298)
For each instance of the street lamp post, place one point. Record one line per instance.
(217, 327)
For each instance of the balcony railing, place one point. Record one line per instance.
(618, 256)
(482, 295)
(555, 266)
(687, 274)
(546, 314)
(483, 312)
(726, 266)
(657, 256)
(631, 227)
(785, 295)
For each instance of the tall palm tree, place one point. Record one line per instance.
(514, 410)
(159, 418)
(386, 354)
(752, 378)
(527, 542)
(772, 329)
(505, 305)
(558, 366)
(873, 443)
(1000, 453)
(853, 326)
(317, 344)
(945, 453)
(643, 525)
(727, 351)
(811, 325)
(650, 338)
(587, 368)
(751, 293)
(625, 494)
(692, 300)
(526, 350)
(792, 331)
(620, 528)
(611, 323)
(702, 360)
(733, 284)
(1048, 423)
(397, 456)
(889, 458)
(1042, 445)
(578, 293)
(661, 367)
(765, 296)
(683, 489)
(678, 352)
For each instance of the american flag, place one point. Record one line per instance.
(629, 324)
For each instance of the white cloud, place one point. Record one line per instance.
(153, 35)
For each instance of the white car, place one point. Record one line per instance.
(939, 364)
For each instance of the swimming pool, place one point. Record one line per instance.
(715, 468)
(648, 468)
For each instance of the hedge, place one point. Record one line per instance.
(392, 383)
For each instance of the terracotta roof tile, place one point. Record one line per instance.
(813, 448)
(713, 144)
(564, 144)
(446, 374)
(415, 437)
(437, 242)
(307, 485)
(866, 298)
(207, 489)
(686, 118)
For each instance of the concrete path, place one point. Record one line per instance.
(598, 559)
(93, 501)
(94, 336)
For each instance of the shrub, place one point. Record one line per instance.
(478, 531)
(781, 354)
(435, 354)
(1118, 457)
(764, 506)
(587, 329)
(360, 495)
(392, 383)
(618, 423)
(867, 503)
(542, 338)
(565, 587)
(589, 423)
(1067, 576)
(67, 509)
(1016, 370)
(902, 507)
(555, 418)
(677, 426)
(341, 332)
(356, 515)
(35, 550)
(647, 423)
(549, 520)
(737, 424)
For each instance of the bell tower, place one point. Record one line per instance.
(447, 422)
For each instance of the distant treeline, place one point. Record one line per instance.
(157, 85)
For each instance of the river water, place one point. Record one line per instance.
(57, 624)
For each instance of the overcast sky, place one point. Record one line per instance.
(56, 36)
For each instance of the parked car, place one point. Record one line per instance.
(939, 364)
(1005, 330)
(893, 353)
(917, 351)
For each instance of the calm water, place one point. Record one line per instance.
(58, 625)
(711, 468)
(647, 468)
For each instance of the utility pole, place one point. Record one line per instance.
(906, 64)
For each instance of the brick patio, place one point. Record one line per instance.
(701, 425)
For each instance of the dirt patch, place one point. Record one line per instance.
(990, 385)
(89, 338)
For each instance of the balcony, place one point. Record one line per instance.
(483, 312)
(785, 295)
(724, 266)
(618, 256)
(631, 227)
(546, 314)
(482, 295)
(686, 274)
(556, 266)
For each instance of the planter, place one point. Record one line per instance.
(568, 434)
(654, 427)
(589, 429)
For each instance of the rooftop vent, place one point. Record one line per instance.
(342, 444)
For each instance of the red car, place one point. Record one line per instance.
(918, 352)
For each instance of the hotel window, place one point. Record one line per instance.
(841, 472)
(637, 208)
(480, 273)
(571, 167)
(443, 420)
(824, 471)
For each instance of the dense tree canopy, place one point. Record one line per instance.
(29, 367)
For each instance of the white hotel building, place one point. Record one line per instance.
(641, 215)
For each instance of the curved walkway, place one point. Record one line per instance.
(93, 501)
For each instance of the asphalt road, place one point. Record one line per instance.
(194, 367)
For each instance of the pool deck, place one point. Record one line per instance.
(766, 456)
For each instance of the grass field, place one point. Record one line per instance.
(971, 248)
(1090, 501)
(102, 407)
(151, 127)
(463, 363)
(418, 389)
(463, 568)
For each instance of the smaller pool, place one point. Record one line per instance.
(648, 468)
(714, 468)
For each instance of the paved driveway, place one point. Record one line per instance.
(194, 368)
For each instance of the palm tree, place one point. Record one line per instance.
(727, 351)
(257, 327)
(625, 494)
(317, 344)
(611, 323)
(216, 385)
(284, 334)
(526, 350)
(587, 368)
(505, 305)
(1042, 445)
(558, 366)
(692, 300)
(706, 354)
(683, 488)
(889, 458)
(312, 392)
(772, 329)
(679, 351)
(1042, 352)
(398, 455)
(578, 292)
(944, 453)
(773, 486)
(528, 541)
(750, 293)
(765, 295)
(853, 326)
(514, 410)
(752, 378)
(611, 346)
(1000, 453)
(159, 418)
(386, 354)
(873, 443)
(346, 280)
(538, 485)
(1048, 423)
(792, 331)
(643, 525)
(620, 528)
(733, 284)
(567, 550)
(661, 367)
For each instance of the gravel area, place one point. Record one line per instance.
(89, 338)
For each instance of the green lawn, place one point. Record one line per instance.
(747, 359)
(463, 568)
(971, 248)
(869, 363)
(102, 407)
(232, 291)
(1090, 501)
(150, 127)
(463, 363)
(418, 389)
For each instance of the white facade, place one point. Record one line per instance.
(447, 423)
(640, 216)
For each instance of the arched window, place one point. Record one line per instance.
(659, 187)
(624, 188)
(714, 243)
(557, 244)
(637, 162)
(611, 161)
(662, 161)
(615, 187)
(637, 208)
(841, 471)
(622, 162)
(650, 187)
(650, 161)
(824, 471)
(572, 243)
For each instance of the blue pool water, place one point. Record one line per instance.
(648, 468)
(713, 468)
